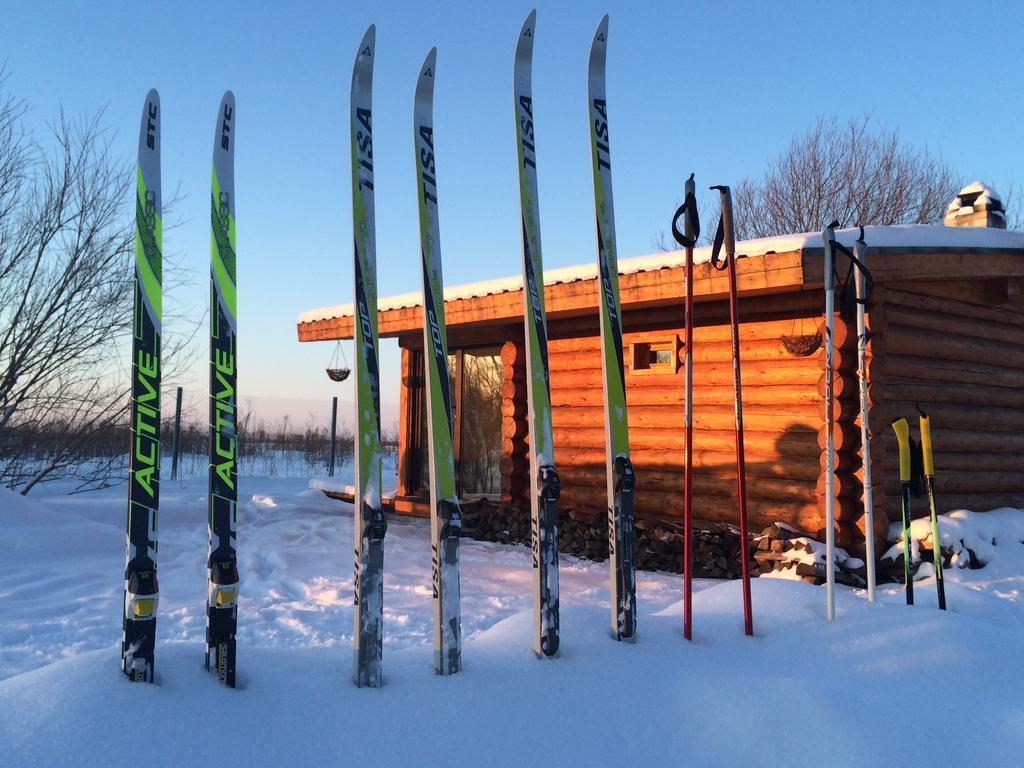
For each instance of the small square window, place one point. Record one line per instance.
(658, 355)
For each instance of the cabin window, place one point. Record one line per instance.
(480, 422)
(655, 355)
(476, 379)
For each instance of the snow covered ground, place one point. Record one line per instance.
(884, 684)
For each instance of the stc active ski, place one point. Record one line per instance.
(445, 518)
(370, 522)
(222, 591)
(141, 593)
(621, 480)
(544, 483)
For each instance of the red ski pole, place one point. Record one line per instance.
(687, 238)
(726, 234)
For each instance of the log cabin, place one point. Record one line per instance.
(946, 333)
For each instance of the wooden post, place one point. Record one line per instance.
(334, 435)
(176, 441)
(515, 464)
(456, 394)
(406, 423)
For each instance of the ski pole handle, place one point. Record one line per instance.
(829, 238)
(690, 193)
(902, 430)
(861, 278)
(687, 237)
(729, 235)
(926, 444)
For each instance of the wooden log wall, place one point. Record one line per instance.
(963, 363)
(515, 464)
(848, 457)
(781, 368)
(960, 360)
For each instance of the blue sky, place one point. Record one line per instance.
(716, 88)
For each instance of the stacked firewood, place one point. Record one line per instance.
(583, 534)
(783, 551)
(659, 546)
(716, 551)
(485, 520)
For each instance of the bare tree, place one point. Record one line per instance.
(1014, 217)
(66, 290)
(848, 172)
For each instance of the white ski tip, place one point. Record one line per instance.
(368, 39)
(530, 23)
(429, 63)
(599, 46)
(149, 143)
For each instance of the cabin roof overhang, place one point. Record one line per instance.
(766, 266)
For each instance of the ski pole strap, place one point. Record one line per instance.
(902, 430)
(926, 443)
(716, 249)
(724, 235)
(689, 210)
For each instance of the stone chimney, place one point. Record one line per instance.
(976, 206)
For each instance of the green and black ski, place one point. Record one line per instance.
(621, 480)
(370, 522)
(141, 593)
(445, 517)
(544, 483)
(222, 561)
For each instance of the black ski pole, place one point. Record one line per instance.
(929, 484)
(725, 235)
(902, 430)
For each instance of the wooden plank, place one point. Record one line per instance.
(404, 415)
(915, 265)
(387, 504)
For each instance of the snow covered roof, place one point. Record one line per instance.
(919, 236)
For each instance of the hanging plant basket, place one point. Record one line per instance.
(337, 369)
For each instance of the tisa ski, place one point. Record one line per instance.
(544, 484)
(222, 590)
(619, 468)
(370, 522)
(141, 594)
(445, 518)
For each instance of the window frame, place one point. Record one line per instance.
(644, 347)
